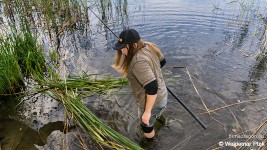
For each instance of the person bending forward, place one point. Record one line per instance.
(141, 61)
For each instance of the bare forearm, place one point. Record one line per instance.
(150, 100)
(148, 108)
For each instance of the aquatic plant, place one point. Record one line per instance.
(54, 17)
(20, 57)
(10, 75)
(68, 92)
(85, 119)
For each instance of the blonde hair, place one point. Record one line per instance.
(122, 62)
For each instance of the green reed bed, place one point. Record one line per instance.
(51, 17)
(10, 75)
(29, 55)
(56, 15)
(20, 57)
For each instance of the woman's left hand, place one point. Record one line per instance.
(145, 118)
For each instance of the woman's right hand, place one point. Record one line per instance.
(146, 117)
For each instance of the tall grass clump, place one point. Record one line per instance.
(21, 58)
(29, 55)
(11, 78)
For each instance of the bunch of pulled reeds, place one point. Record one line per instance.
(91, 125)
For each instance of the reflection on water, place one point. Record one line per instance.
(256, 74)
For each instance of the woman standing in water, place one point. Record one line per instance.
(141, 63)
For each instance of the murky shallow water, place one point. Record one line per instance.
(217, 41)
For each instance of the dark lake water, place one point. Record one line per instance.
(219, 43)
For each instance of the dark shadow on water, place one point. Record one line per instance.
(19, 136)
(8, 107)
(15, 134)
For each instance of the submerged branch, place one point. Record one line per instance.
(248, 101)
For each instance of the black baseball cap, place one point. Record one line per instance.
(127, 36)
